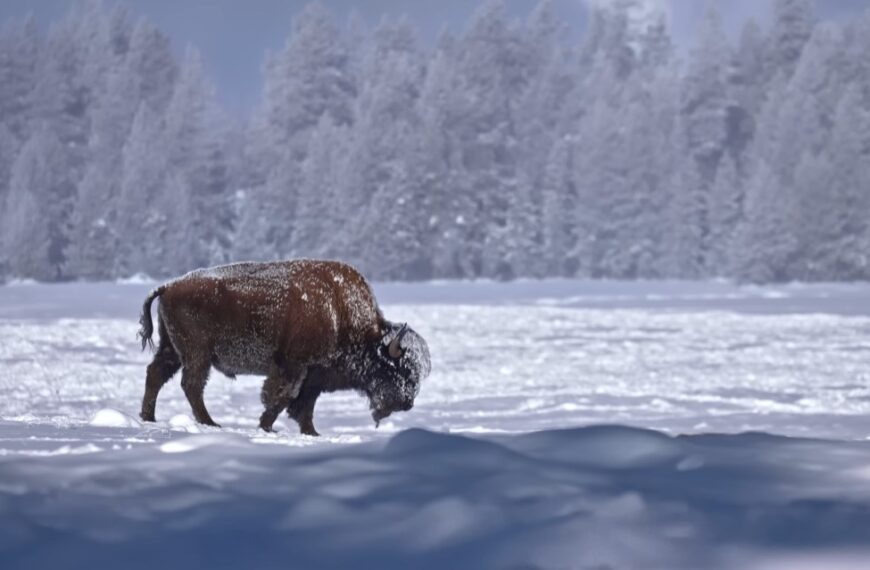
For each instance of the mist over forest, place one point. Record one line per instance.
(505, 148)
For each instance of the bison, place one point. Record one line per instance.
(309, 326)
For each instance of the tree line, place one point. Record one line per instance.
(505, 150)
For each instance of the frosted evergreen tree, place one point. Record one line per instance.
(655, 43)
(37, 208)
(687, 223)
(153, 65)
(251, 227)
(706, 98)
(197, 156)
(610, 38)
(319, 220)
(558, 216)
(19, 55)
(810, 100)
(310, 77)
(491, 70)
(546, 102)
(765, 243)
(748, 73)
(858, 35)
(386, 173)
(397, 228)
(61, 100)
(813, 179)
(793, 23)
(441, 162)
(843, 212)
(8, 151)
(94, 232)
(140, 215)
(600, 178)
(726, 210)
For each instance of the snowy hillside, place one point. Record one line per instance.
(493, 467)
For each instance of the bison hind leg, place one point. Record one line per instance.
(194, 377)
(163, 366)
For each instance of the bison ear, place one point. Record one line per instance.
(395, 349)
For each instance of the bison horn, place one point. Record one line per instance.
(395, 348)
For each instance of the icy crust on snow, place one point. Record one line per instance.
(598, 497)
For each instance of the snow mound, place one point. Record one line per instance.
(108, 417)
(182, 422)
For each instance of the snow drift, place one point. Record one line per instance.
(598, 497)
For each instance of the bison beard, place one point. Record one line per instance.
(308, 326)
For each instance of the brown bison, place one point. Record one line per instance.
(308, 326)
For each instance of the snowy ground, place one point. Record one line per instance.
(82, 481)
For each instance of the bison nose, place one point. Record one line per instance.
(407, 406)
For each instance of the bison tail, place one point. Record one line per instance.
(145, 319)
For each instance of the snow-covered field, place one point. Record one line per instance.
(81, 481)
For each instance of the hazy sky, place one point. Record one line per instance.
(233, 35)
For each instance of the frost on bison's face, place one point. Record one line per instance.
(394, 368)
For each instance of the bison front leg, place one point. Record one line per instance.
(280, 388)
(302, 409)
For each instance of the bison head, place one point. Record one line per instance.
(397, 363)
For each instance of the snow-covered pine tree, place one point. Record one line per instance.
(725, 212)
(765, 242)
(492, 71)
(19, 54)
(686, 220)
(143, 242)
(558, 216)
(311, 76)
(793, 23)
(706, 98)
(153, 66)
(747, 77)
(441, 117)
(843, 211)
(94, 232)
(35, 216)
(197, 157)
(8, 151)
(319, 216)
(541, 108)
(386, 179)
(610, 38)
(807, 109)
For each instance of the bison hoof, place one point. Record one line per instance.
(147, 417)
